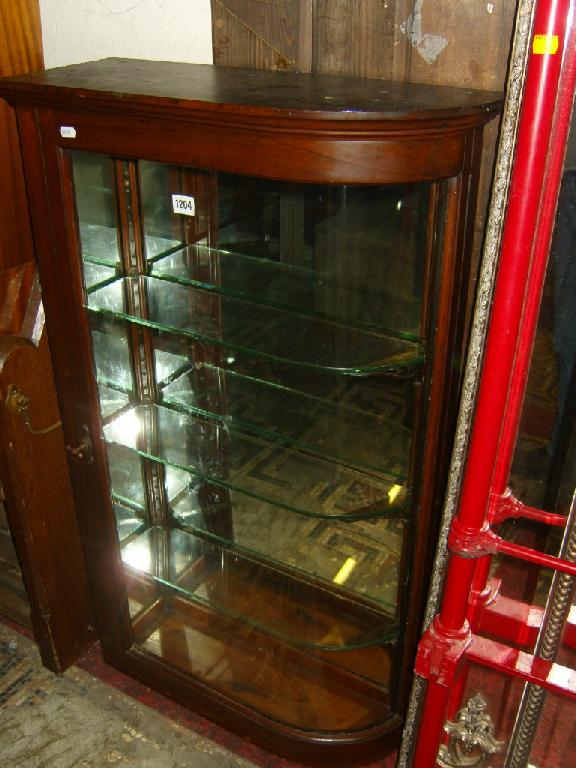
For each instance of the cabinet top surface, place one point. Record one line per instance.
(135, 83)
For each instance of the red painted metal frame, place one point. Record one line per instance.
(530, 669)
(507, 506)
(542, 133)
(516, 622)
(466, 542)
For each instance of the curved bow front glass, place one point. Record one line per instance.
(258, 348)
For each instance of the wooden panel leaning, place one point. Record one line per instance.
(33, 468)
(34, 475)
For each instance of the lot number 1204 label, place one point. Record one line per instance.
(183, 204)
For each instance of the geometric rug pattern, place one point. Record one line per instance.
(93, 716)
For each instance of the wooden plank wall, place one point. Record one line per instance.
(270, 35)
(452, 42)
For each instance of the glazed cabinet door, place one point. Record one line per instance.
(256, 299)
(258, 348)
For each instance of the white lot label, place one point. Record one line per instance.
(67, 132)
(183, 204)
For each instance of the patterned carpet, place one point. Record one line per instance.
(75, 721)
(93, 716)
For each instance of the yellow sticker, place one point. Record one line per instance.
(545, 44)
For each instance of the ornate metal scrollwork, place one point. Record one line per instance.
(471, 739)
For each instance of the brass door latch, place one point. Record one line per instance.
(17, 402)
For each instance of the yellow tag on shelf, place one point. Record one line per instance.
(543, 44)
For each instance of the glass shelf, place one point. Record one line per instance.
(113, 367)
(307, 688)
(265, 469)
(98, 275)
(361, 557)
(100, 245)
(355, 300)
(349, 435)
(241, 588)
(127, 522)
(126, 479)
(128, 485)
(265, 331)
(111, 400)
(112, 358)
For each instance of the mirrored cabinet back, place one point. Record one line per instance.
(256, 288)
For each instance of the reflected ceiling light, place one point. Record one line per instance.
(126, 429)
(345, 571)
(137, 555)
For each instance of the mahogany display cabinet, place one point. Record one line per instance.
(256, 288)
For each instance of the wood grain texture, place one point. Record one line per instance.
(200, 91)
(463, 43)
(15, 287)
(431, 41)
(20, 37)
(262, 34)
(20, 51)
(34, 474)
(316, 691)
(354, 37)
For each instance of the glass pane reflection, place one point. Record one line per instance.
(258, 354)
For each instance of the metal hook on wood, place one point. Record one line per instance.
(17, 402)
